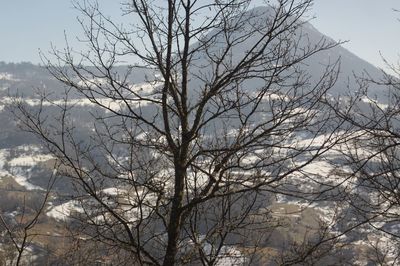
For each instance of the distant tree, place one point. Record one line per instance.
(183, 168)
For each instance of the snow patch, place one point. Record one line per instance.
(3, 157)
(374, 102)
(108, 103)
(20, 167)
(113, 191)
(63, 211)
(7, 76)
(29, 160)
(22, 180)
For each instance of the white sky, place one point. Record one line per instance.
(371, 26)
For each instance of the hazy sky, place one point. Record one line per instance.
(370, 26)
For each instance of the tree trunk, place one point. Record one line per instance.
(175, 222)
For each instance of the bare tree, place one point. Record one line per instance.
(373, 155)
(182, 168)
(20, 231)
